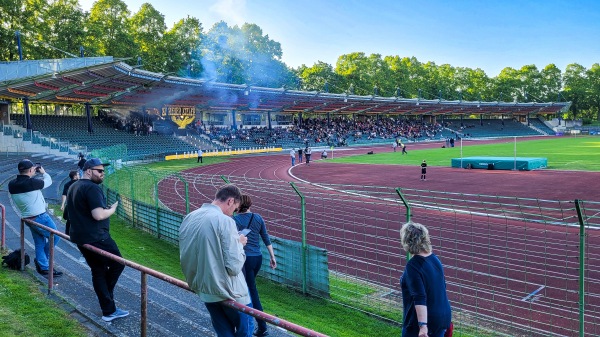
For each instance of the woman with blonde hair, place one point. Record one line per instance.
(427, 310)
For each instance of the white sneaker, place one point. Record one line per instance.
(117, 314)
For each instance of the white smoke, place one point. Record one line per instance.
(231, 11)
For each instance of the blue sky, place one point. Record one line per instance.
(490, 35)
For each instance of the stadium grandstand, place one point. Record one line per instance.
(115, 102)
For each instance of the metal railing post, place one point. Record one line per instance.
(3, 209)
(187, 193)
(51, 264)
(22, 244)
(581, 268)
(144, 304)
(304, 248)
(132, 198)
(408, 213)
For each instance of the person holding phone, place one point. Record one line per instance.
(246, 220)
(26, 192)
(89, 215)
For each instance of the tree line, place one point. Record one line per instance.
(246, 55)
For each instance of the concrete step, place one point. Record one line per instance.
(172, 311)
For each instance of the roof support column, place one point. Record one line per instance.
(28, 124)
(480, 119)
(88, 114)
(233, 124)
(300, 119)
(269, 120)
(328, 119)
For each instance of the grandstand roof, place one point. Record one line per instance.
(118, 84)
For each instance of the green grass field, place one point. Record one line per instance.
(563, 153)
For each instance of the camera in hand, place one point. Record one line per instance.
(38, 166)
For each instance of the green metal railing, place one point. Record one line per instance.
(506, 259)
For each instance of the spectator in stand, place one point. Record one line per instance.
(427, 311)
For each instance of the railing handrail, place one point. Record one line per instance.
(3, 233)
(302, 331)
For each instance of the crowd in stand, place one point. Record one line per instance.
(131, 124)
(338, 131)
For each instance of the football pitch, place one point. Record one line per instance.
(563, 153)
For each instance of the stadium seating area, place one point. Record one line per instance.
(541, 125)
(476, 128)
(73, 130)
(70, 132)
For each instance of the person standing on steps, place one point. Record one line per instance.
(26, 192)
(89, 215)
(211, 253)
(74, 176)
(258, 231)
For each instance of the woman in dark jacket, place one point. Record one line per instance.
(427, 310)
(253, 221)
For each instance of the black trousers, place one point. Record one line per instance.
(105, 273)
(199, 160)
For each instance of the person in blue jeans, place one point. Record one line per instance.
(26, 192)
(427, 311)
(212, 257)
(258, 230)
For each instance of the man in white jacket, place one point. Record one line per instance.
(212, 258)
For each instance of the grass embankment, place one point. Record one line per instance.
(25, 310)
(563, 153)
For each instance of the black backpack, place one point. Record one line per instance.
(13, 260)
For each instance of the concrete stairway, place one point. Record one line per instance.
(172, 311)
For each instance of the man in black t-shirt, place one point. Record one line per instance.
(89, 216)
(423, 170)
(80, 164)
(74, 176)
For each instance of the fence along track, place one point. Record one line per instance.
(496, 250)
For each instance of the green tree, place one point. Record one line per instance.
(182, 44)
(550, 83)
(315, 77)
(63, 28)
(575, 87)
(147, 29)
(530, 88)
(108, 29)
(507, 85)
(593, 75)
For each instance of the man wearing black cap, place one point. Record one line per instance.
(89, 217)
(26, 192)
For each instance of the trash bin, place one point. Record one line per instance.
(490, 166)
